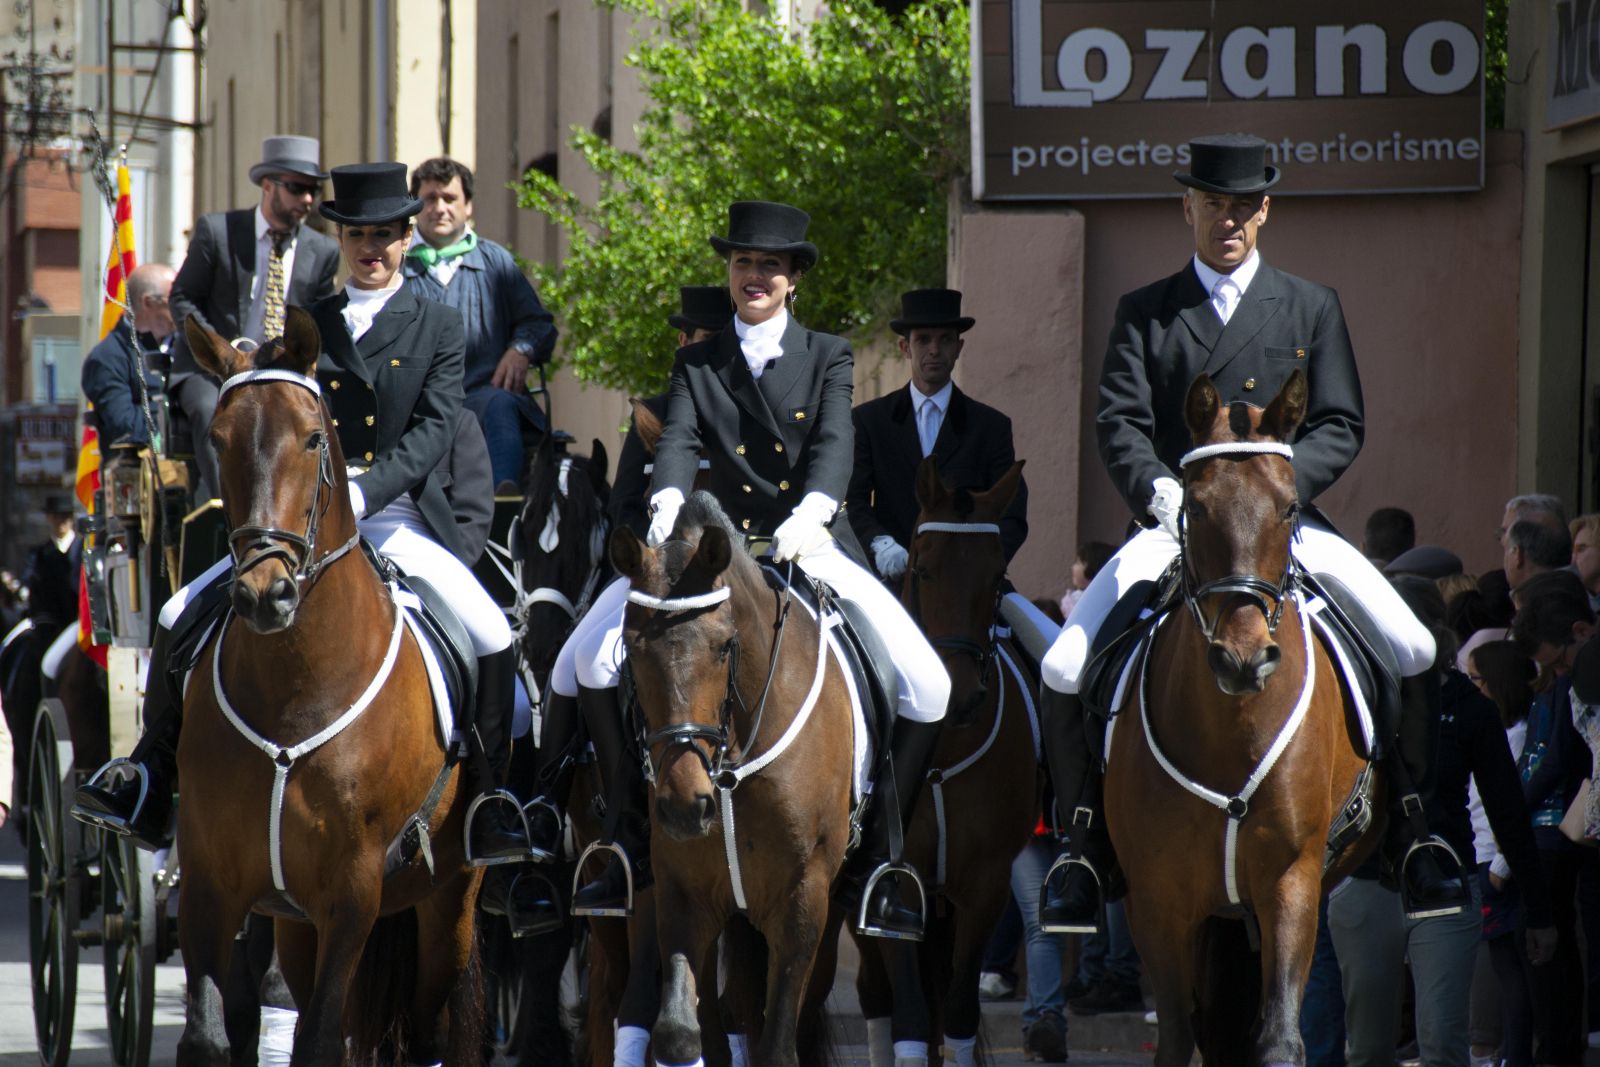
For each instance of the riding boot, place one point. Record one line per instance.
(496, 829)
(552, 776)
(139, 804)
(910, 755)
(1071, 899)
(1427, 869)
(627, 807)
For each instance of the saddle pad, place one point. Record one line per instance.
(410, 609)
(450, 641)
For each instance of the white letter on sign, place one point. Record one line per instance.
(1072, 63)
(1418, 58)
(1372, 58)
(1171, 80)
(1027, 62)
(1278, 43)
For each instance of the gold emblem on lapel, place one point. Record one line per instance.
(394, 363)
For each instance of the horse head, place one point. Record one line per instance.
(1240, 512)
(280, 466)
(562, 546)
(954, 576)
(681, 633)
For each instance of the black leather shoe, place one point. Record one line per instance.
(887, 917)
(545, 827)
(496, 832)
(128, 809)
(608, 894)
(1430, 881)
(532, 907)
(1070, 900)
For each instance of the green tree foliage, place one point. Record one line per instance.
(1496, 15)
(860, 119)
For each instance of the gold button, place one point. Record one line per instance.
(371, 419)
(1299, 353)
(739, 451)
(336, 424)
(394, 363)
(778, 447)
(746, 488)
(1249, 383)
(783, 487)
(369, 457)
(745, 524)
(334, 384)
(799, 415)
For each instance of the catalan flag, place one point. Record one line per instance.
(121, 262)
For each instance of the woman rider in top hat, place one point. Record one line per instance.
(768, 402)
(391, 366)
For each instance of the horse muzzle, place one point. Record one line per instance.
(267, 611)
(1238, 675)
(685, 820)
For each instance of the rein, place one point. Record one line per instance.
(983, 652)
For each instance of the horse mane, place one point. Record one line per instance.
(700, 511)
(1239, 420)
(582, 510)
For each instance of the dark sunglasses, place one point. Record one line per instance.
(297, 188)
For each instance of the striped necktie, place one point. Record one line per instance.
(272, 302)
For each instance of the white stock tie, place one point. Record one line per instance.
(928, 425)
(1225, 297)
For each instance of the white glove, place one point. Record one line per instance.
(805, 530)
(1166, 504)
(890, 558)
(663, 514)
(358, 500)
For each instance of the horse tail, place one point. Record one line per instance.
(1228, 992)
(381, 990)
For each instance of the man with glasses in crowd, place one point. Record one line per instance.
(243, 269)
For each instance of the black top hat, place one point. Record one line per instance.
(365, 194)
(57, 504)
(702, 307)
(1234, 164)
(931, 308)
(762, 226)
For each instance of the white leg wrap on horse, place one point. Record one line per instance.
(630, 1046)
(963, 1050)
(910, 1053)
(276, 1044)
(880, 1042)
(739, 1050)
(696, 1063)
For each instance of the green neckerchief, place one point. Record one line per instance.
(432, 257)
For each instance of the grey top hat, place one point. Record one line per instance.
(289, 154)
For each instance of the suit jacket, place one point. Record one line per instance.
(469, 486)
(630, 492)
(217, 274)
(110, 382)
(396, 397)
(764, 457)
(973, 449)
(1167, 333)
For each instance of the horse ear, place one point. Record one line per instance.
(645, 424)
(1200, 408)
(213, 355)
(931, 491)
(302, 341)
(715, 551)
(599, 467)
(1287, 409)
(997, 497)
(627, 553)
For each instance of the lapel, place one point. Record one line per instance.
(1194, 307)
(781, 375)
(304, 275)
(242, 253)
(952, 429)
(335, 338)
(737, 380)
(1259, 304)
(397, 315)
(903, 414)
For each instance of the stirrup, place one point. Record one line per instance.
(1432, 841)
(535, 853)
(121, 768)
(1060, 867)
(518, 931)
(624, 912)
(870, 929)
(497, 796)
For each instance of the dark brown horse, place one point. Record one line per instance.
(381, 959)
(1235, 691)
(982, 799)
(747, 714)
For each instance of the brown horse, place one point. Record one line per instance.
(747, 715)
(1232, 754)
(315, 635)
(981, 801)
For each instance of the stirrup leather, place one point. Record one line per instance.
(1060, 867)
(111, 774)
(539, 803)
(518, 929)
(1432, 841)
(497, 796)
(617, 850)
(870, 929)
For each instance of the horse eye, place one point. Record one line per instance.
(1290, 512)
(1196, 509)
(314, 442)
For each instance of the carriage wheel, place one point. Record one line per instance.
(131, 924)
(54, 886)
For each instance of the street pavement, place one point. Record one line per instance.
(1127, 1036)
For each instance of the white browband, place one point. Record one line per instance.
(680, 603)
(250, 376)
(958, 527)
(1237, 448)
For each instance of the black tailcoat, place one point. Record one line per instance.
(764, 456)
(973, 449)
(1167, 333)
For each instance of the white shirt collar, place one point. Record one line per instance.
(940, 400)
(1242, 275)
(364, 305)
(771, 330)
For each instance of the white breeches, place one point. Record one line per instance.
(592, 656)
(1320, 551)
(399, 533)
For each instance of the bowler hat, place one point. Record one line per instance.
(702, 307)
(289, 154)
(1234, 164)
(365, 194)
(929, 308)
(762, 226)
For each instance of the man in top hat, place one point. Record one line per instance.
(929, 417)
(243, 268)
(508, 330)
(1229, 314)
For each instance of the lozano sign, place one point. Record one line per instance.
(1077, 99)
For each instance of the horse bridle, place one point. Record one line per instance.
(1268, 597)
(984, 652)
(720, 767)
(294, 549)
(549, 594)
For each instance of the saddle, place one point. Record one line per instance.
(1120, 638)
